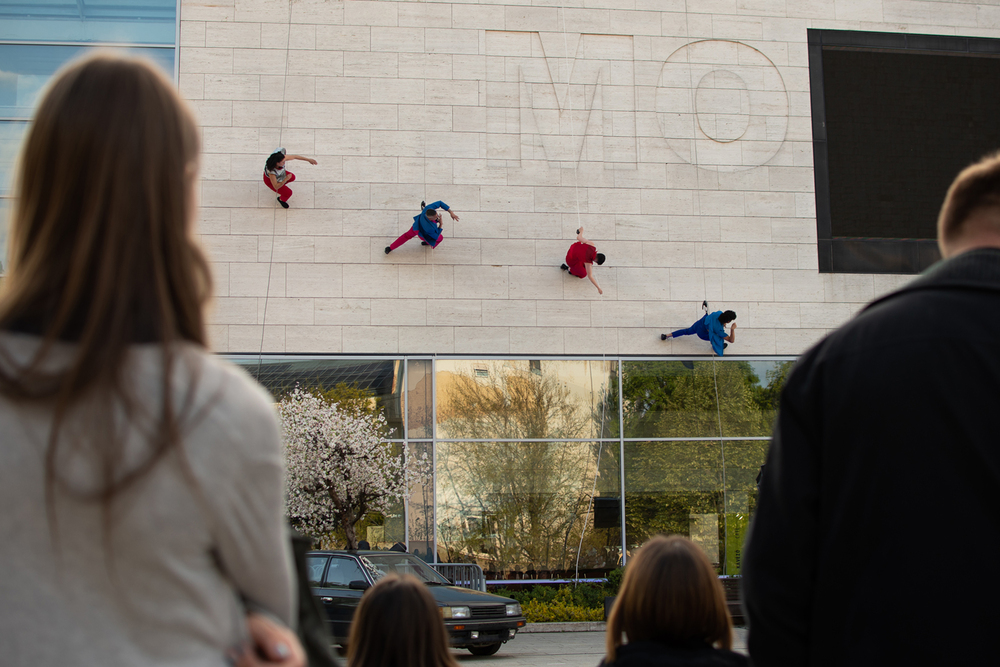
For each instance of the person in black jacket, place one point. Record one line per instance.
(876, 525)
(672, 609)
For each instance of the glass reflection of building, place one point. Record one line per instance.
(36, 39)
(531, 455)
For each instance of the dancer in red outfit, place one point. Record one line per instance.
(275, 176)
(581, 257)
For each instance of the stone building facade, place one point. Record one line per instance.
(677, 133)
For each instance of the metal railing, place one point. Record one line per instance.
(466, 575)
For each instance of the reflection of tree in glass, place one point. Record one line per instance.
(769, 395)
(420, 511)
(671, 485)
(518, 505)
(666, 483)
(678, 399)
(510, 403)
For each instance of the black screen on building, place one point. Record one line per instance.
(899, 117)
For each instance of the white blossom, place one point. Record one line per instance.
(340, 466)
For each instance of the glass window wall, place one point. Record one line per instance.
(26, 68)
(692, 399)
(420, 521)
(530, 456)
(419, 398)
(525, 510)
(525, 399)
(703, 489)
(675, 488)
(4, 213)
(121, 21)
(377, 380)
(37, 38)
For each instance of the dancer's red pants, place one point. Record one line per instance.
(284, 192)
(409, 234)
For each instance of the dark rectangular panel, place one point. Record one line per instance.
(897, 136)
(882, 255)
(897, 117)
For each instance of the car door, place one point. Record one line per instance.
(339, 600)
(315, 569)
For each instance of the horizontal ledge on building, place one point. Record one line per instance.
(449, 356)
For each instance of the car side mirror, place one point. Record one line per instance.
(359, 585)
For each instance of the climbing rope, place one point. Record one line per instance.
(692, 87)
(569, 61)
(274, 212)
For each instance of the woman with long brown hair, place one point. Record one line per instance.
(398, 624)
(140, 477)
(672, 609)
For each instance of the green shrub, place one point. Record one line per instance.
(588, 596)
(561, 609)
(614, 581)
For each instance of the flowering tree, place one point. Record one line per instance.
(340, 466)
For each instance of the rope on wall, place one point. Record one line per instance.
(692, 87)
(274, 213)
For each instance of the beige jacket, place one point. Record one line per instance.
(168, 591)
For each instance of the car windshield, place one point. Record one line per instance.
(380, 565)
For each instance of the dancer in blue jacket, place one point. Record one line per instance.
(710, 327)
(427, 226)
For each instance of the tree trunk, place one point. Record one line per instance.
(347, 522)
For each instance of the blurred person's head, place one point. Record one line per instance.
(102, 253)
(600, 258)
(670, 594)
(432, 213)
(970, 215)
(727, 317)
(398, 624)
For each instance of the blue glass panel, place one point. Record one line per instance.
(25, 69)
(11, 133)
(4, 211)
(122, 21)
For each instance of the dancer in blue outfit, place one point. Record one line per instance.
(710, 327)
(427, 226)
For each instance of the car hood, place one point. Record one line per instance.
(451, 596)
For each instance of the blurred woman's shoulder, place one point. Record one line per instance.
(223, 393)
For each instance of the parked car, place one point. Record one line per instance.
(480, 622)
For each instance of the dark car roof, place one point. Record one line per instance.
(443, 595)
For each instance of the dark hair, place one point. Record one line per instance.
(273, 159)
(600, 258)
(727, 317)
(431, 212)
(398, 624)
(672, 595)
(975, 189)
(104, 257)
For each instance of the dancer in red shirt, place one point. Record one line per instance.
(581, 257)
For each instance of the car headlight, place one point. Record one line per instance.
(514, 609)
(455, 612)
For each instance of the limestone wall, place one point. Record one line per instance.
(678, 133)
